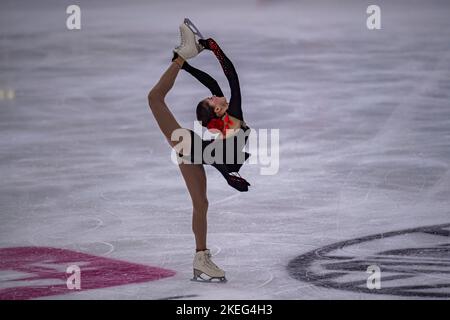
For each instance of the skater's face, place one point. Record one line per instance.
(218, 104)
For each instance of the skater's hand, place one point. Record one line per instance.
(207, 43)
(238, 183)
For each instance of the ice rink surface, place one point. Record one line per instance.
(364, 119)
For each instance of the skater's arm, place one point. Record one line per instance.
(234, 107)
(204, 78)
(165, 83)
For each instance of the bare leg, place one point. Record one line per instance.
(194, 175)
(195, 178)
(165, 119)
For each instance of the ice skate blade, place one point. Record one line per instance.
(198, 278)
(196, 33)
(211, 280)
(193, 28)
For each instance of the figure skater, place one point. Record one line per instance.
(218, 116)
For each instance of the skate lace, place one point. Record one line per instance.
(209, 261)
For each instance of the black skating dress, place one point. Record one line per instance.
(238, 141)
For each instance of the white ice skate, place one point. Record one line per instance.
(189, 46)
(205, 270)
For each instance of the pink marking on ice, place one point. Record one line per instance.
(96, 272)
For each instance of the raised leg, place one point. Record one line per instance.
(156, 99)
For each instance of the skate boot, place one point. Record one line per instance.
(189, 46)
(205, 270)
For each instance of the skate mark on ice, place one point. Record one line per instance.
(310, 287)
(413, 270)
(217, 251)
(399, 116)
(97, 248)
(111, 248)
(267, 281)
(179, 297)
(99, 224)
(226, 199)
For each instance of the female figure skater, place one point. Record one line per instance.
(216, 114)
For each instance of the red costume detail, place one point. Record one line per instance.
(220, 124)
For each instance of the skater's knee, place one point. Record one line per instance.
(201, 205)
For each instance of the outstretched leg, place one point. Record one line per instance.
(193, 174)
(156, 99)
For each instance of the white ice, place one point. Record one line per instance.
(364, 119)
